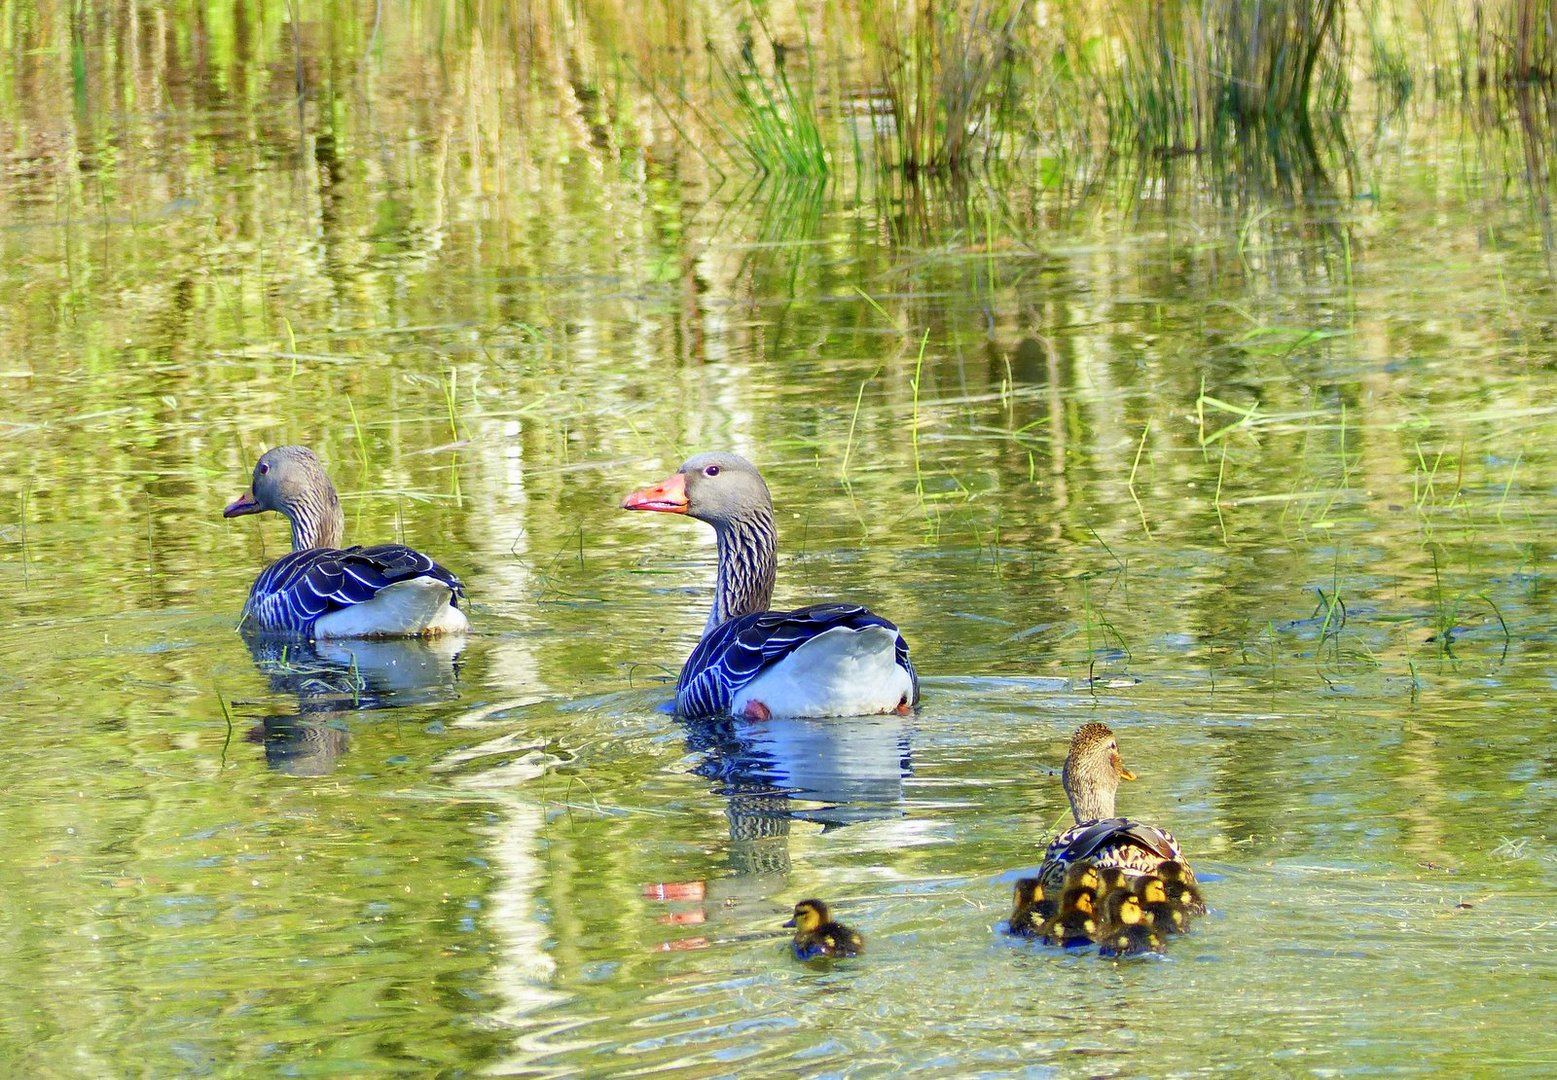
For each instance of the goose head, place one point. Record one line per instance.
(291, 481)
(719, 488)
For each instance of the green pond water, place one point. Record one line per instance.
(1266, 483)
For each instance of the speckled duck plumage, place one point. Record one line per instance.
(1092, 773)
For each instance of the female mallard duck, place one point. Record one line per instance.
(817, 935)
(1125, 928)
(822, 660)
(1030, 908)
(1093, 770)
(323, 591)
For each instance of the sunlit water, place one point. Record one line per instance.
(1268, 489)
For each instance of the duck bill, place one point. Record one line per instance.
(1125, 774)
(790, 923)
(667, 497)
(243, 504)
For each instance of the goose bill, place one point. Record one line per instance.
(667, 497)
(243, 504)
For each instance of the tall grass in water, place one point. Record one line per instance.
(1509, 41)
(776, 123)
(948, 74)
(1193, 77)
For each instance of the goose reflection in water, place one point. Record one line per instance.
(832, 772)
(333, 679)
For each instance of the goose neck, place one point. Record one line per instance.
(748, 563)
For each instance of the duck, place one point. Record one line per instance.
(321, 590)
(1030, 908)
(753, 663)
(1126, 931)
(1075, 923)
(1091, 776)
(816, 935)
(1165, 915)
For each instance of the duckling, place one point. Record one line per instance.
(1163, 914)
(1075, 923)
(1081, 875)
(1127, 932)
(1091, 777)
(1030, 908)
(817, 935)
(1112, 878)
(1183, 890)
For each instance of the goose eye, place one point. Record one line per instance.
(263, 468)
(712, 470)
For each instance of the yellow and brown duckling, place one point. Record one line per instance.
(1183, 890)
(1030, 908)
(1112, 878)
(1076, 921)
(816, 935)
(1126, 930)
(1164, 915)
(1082, 874)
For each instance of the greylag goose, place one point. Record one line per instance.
(324, 591)
(822, 660)
(1092, 772)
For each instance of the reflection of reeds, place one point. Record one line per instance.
(938, 66)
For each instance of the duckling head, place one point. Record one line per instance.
(1123, 907)
(1092, 772)
(1028, 893)
(1152, 889)
(1082, 875)
(1111, 878)
(1174, 870)
(808, 916)
(1078, 898)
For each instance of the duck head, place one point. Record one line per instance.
(1093, 770)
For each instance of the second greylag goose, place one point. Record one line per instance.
(1093, 770)
(321, 590)
(822, 660)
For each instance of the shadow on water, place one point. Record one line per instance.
(334, 679)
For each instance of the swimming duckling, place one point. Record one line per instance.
(1030, 908)
(1111, 878)
(1091, 777)
(817, 935)
(1183, 890)
(1127, 932)
(1164, 915)
(1075, 923)
(1081, 875)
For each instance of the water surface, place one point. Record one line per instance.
(1265, 485)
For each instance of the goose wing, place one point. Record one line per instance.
(739, 650)
(295, 590)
